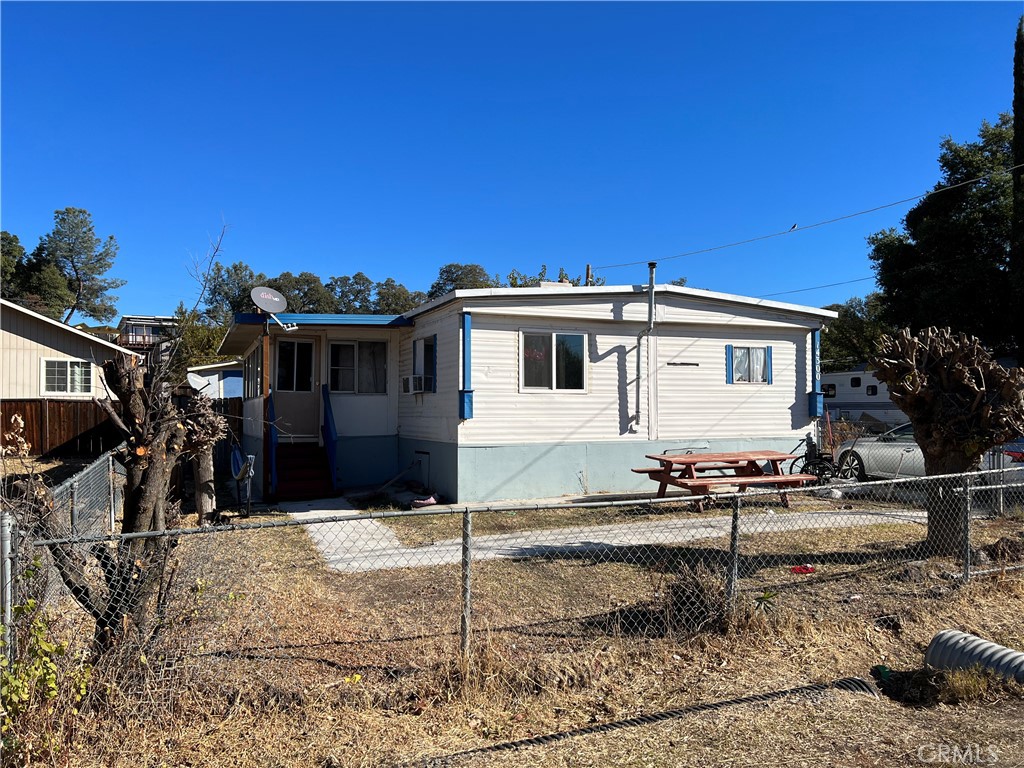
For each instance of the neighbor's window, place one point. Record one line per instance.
(829, 390)
(294, 366)
(855, 382)
(358, 367)
(871, 390)
(553, 361)
(750, 365)
(67, 377)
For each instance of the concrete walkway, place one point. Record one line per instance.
(368, 545)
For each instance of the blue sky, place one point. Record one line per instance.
(393, 138)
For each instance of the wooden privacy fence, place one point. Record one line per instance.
(65, 426)
(81, 427)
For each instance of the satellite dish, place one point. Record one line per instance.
(197, 382)
(268, 299)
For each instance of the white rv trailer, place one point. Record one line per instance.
(858, 396)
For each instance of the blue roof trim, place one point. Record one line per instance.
(254, 318)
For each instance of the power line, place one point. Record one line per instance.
(815, 287)
(816, 225)
(906, 271)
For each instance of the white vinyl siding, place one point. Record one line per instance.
(433, 417)
(690, 400)
(695, 399)
(503, 413)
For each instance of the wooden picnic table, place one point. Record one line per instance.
(699, 473)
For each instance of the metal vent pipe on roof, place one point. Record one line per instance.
(651, 265)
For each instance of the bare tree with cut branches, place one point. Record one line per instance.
(121, 586)
(961, 402)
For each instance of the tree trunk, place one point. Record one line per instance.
(947, 502)
(205, 491)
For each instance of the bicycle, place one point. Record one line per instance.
(814, 461)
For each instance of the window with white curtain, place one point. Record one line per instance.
(748, 365)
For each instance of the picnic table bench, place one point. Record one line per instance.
(700, 473)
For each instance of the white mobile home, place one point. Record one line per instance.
(529, 392)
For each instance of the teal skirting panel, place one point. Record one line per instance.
(435, 465)
(366, 461)
(537, 471)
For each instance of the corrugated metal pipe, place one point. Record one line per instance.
(651, 265)
(951, 649)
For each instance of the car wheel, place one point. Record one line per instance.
(850, 467)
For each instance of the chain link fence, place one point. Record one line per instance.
(378, 605)
(92, 499)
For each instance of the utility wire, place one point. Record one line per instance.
(816, 225)
(906, 271)
(815, 287)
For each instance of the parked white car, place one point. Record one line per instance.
(889, 455)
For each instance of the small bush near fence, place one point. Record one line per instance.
(396, 637)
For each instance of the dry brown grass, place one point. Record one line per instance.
(293, 665)
(414, 531)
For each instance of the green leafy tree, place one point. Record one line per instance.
(353, 294)
(305, 293)
(680, 281)
(393, 298)
(227, 291)
(1017, 224)
(12, 263)
(74, 249)
(195, 343)
(455, 277)
(34, 282)
(853, 336)
(517, 279)
(949, 266)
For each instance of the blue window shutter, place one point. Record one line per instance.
(433, 367)
(728, 364)
(768, 363)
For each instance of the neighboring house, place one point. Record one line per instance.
(522, 393)
(50, 373)
(222, 379)
(148, 335)
(856, 395)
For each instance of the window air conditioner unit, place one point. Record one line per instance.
(412, 385)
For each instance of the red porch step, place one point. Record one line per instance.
(302, 472)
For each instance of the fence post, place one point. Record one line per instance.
(7, 534)
(733, 576)
(1000, 497)
(967, 529)
(110, 491)
(467, 594)
(74, 508)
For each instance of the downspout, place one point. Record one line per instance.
(651, 265)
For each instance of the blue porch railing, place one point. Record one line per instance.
(329, 432)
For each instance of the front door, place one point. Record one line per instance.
(296, 396)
